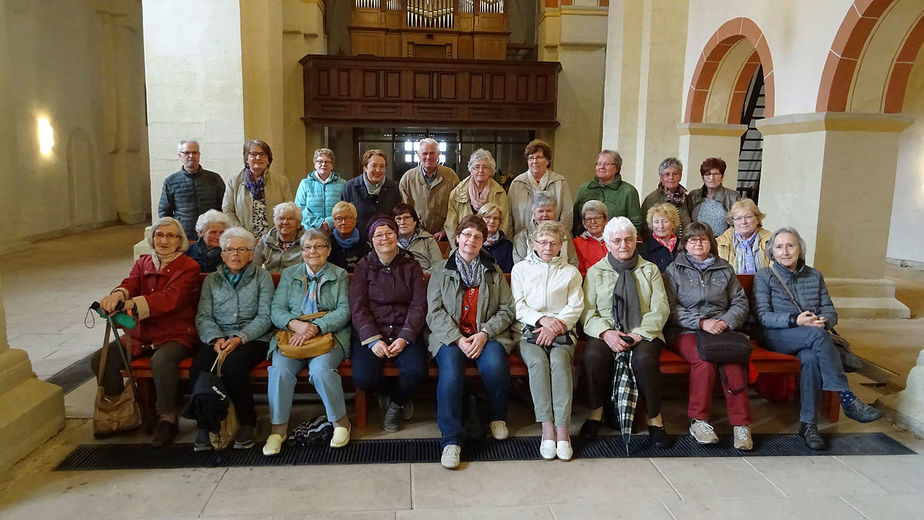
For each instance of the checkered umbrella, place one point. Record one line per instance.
(625, 394)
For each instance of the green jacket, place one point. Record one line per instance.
(598, 299)
(620, 198)
(333, 296)
(444, 304)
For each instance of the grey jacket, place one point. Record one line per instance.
(185, 196)
(269, 254)
(714, 293)
(776, 310)
(425, 250)
(243, 311)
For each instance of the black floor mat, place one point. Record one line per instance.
(390, 451)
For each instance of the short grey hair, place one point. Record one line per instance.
(791, 231)
(237, 232)
(314, 234)
(186, 141)
(166, 221)
(210, 218)
(614, 155)
(670, 162)
(427, 140)
(482, 154)
(541, 199)
(619, 224)
(551, 228)
(594, 206)
(324, 151)
(287, 207)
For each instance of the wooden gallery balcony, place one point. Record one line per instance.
(369, 91)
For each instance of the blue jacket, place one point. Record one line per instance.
(333, 296)
(502, 251)
(243, 311)
(775, 308)
(317, 199)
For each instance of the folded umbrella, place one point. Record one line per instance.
(625, 394)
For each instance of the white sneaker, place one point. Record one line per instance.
(563, 450)
(743, 438)
(450, 458)
(703, 432)
(499, 430)
(547, 449)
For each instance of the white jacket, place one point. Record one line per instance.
(543, 289)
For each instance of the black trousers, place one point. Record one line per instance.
(235, 372)
(599, 368)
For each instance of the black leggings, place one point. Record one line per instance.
(646, 367)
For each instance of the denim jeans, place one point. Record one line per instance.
(495, 374)
(367, 370)
(821, 364)
(322, 373)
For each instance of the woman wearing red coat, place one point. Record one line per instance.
(162, 291)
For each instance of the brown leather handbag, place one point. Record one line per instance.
(320, 344)
(113, 414)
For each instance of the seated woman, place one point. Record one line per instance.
(347, 247)
(590, 246)
(388, 303)
(796, 312)
(470, 310)
(418, 242)
(704, 294)
(548, 299)
(278, 248)
(497, 243)
(234, 317)
(306, 288)
(660, 246)
(744, 245)
(161, 291)
(636, 285)
(543, 209)
(206, 251)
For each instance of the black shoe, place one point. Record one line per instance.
(590, 428)
(813, 439)
(658, 437)
(164, 433)
(203, 442)
(860, 411)
(244, 438)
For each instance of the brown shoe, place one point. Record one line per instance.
(164, 434)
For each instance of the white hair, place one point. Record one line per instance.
(287, 207)
(541, 199)
(210, 218)
(594, 206)
(479, 155)
(617, 225)
(427, 140)
(237, 232)
(179, 146)
(166, 221)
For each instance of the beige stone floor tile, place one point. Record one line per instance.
(889, 507)
(78, 403)
(764, 508)
(715, 478)
(813, 476)
(307, 489)
(893, 473)
(539, 512)
(612, 511)
(342, 515)
(523, 482)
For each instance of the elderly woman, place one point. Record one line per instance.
(608, 187)
(548, 299)
(308, 288)
(388, 303)
(371, 192)
(279, 249)
(497, 243)
(539, 178)
(543, 204)
(470, 310)
(161, 291)
(590, 246)
(744, 245)
(797, 314)
(347, 247)
(660, 245)
(251, 193)
(625, 308)
(475, 192)
(669, 190)
(416, 241)
(319, 192)
(206, 251)
(712, 202)
(705, 295)
(234, 317)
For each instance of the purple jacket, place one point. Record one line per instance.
(391, 301)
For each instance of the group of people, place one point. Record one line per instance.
(630, 278)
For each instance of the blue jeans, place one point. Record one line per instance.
(495, 374)
(821, 364)
(322, 373)
(367, 370)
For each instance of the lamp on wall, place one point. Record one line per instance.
(46, 135)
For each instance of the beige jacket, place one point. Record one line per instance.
(460, 206)
(543, 289)
(430, 202)
(726, 247)
(238, 203)
(598, 299)
(521, 194)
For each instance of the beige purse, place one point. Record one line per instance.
(113, 414)
(314, 347)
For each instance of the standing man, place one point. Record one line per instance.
(620, 197)
(426, 187)
(191, 191)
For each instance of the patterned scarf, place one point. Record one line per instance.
(255, 187)
(405, 243)
(677, 196)
(491, 240)
(670, 243)
(310, 305)
(627, 310)
(348, 242)
(746, 254)
(476, 198)
(700, 265)
(587, 236)
(472, 273)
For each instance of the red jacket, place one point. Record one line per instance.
(589, 252)
(172, 297)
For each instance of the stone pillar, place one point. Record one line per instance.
(831, 176)
(701, 140)
(906, 408)
(31, 411)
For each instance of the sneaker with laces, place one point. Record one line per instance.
(244, 438)
(809, 433)
(499, 430)
(861, 412)
(743, 439)
(450, 457)
(703, 432)
(393, 412)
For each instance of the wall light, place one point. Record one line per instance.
(46, 135)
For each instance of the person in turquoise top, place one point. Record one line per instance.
(319, 191)
(620, 197)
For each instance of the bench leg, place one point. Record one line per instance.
(776, 388)
(831, 406)
(359, 402)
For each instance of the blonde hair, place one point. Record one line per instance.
(342, 206)
(490, 209)
(744, 205)
(665, 210)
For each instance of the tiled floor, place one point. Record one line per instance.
(46, 293)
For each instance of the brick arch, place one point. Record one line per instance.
(718, 45)
(901, 69)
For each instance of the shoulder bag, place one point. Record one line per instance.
(729, 347)
(112, 414)
(320, 344)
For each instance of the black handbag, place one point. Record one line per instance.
(530, 335)
(727, 347)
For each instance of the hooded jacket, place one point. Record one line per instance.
(269, 253)
(388, 302)
(598, 299)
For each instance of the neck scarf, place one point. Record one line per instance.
(161, 261)
(478, 199)
(406, 243)
(347, 242)
(472, 273)
(373, 189)
(310, 305)
(677, 196)
(627, 311)
(255, 187)
(587, 236)
(700, 265)
(746, 254)
(670, 243)
(233, 278)
(491, 240)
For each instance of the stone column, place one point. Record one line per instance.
(906, 408)
(31, 411)
(831, 176)
(701, 140)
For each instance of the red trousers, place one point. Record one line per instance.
(702, 381)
